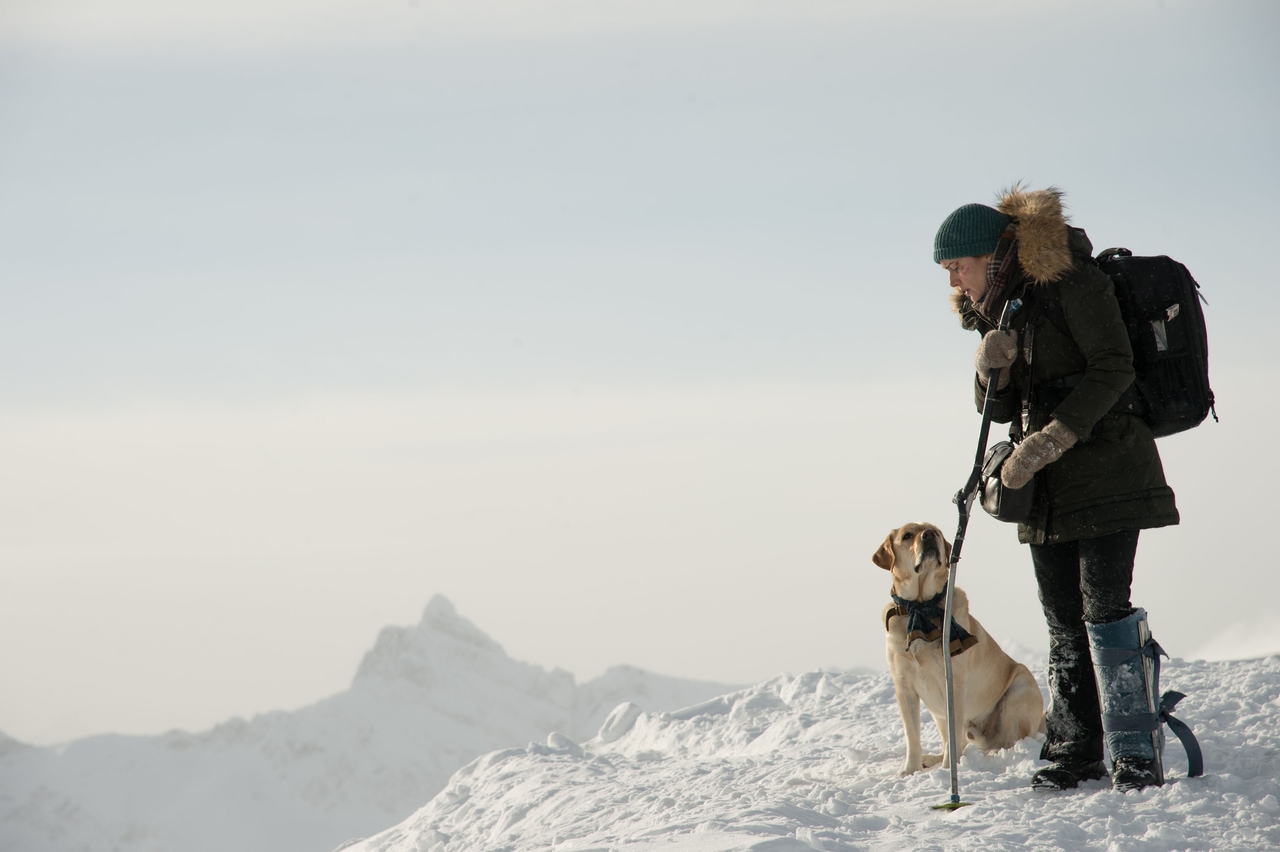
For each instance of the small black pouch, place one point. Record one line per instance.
(1000, 502)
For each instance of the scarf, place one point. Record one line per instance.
(920, 622)
(1002, 271)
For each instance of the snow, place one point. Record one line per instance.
(794, 763)
(810, 762)
(425, 700)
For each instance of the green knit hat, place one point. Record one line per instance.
(971, 231)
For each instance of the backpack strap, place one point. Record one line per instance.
(1049, 297)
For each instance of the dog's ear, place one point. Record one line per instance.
(946, 550)
(884, 556)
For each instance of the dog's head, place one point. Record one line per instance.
(919, 559)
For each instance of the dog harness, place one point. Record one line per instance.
(920, 622)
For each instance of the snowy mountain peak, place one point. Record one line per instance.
(439, 607)
(427, 699)
(416, 653)
(441, 616)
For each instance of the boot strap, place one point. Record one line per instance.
(1195, 760)
(1120, 656)
(1146, 722)
(1142, 722)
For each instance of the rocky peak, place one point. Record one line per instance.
(442, 639)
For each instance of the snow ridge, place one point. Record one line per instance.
(811, 763)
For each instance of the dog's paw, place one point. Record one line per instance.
(908, 769)
(931, 760)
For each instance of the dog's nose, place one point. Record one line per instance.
(929, 534)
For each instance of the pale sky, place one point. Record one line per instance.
(614, 323)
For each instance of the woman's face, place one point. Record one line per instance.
(968, 274)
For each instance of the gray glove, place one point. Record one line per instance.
(1035, 452)
(997, 351)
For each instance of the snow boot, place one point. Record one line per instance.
(1126, 663)
(1064, 775)
(1135, 773)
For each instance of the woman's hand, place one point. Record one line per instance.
(1035, 452)
(997, 351)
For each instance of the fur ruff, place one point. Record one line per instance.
(1042, 231)
(1043, 249)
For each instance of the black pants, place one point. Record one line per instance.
(1086, 580)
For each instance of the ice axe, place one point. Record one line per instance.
(964, 501)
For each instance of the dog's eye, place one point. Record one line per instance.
(908, 536)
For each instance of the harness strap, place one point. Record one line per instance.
(920, 623)
(896, 609)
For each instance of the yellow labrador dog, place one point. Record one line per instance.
(997, 700)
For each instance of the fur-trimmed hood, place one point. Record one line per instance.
(1042, 231)
(1044, 249)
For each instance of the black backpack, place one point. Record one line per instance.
(1160, 303)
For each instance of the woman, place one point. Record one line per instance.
(1063, 370)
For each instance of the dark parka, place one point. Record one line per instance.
(1112, 478)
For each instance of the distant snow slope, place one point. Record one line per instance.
(811, 763)
(426, 700)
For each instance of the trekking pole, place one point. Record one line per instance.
(964, 501)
